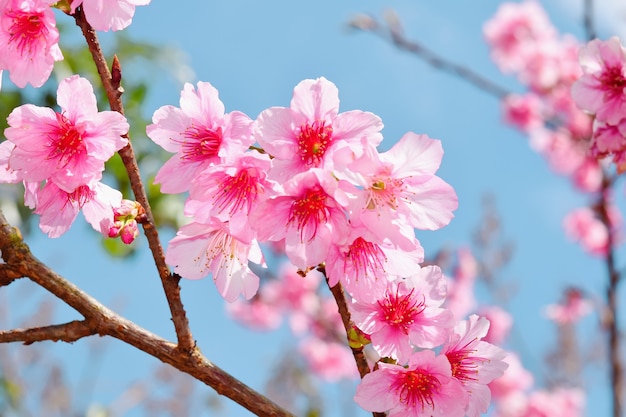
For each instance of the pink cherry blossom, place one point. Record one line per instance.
(514, 380)
(307, 217)
(67, 148)
(199, 249)
(257, 313)
(515, 31)
(365, 264)
(58, 209)
(460, 299)
(424, 389)
(474, 363)
(308, 133)
(560, 402)
(200, 135)
(125, 221)
(600, 90)
(407, 315)
(108, 15)
(400, 187)
(28, 41)
(523, 111)
(331, 361)
(573, 307)
(583, 226)
(231, 193)
(500, 323)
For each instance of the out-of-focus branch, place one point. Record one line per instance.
(393, 33)
(67, 332)
(101, 320)
(111, 81)
(615, 360)
(590, 31)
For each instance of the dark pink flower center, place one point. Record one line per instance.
(66, 141)
(27, 30)
(309, 211)
(366, 257)
(417, 388)
(401, 311)
(464, 364)
(313, 141)
(81, 196)
(201, 143)
(613, 81)
(237, 192)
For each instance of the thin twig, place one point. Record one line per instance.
(431, 58)
(590, 31)
(66, 332)
(617, 373)
(112, 86)
(105, 322)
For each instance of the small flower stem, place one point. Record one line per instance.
(170, 282)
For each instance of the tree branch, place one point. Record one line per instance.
(103, 321)
(393, 33)
(66, 332)
(615, 360)
(112, 86)
(8, 275)
(590, 31)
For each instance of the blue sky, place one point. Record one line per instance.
(254, 53)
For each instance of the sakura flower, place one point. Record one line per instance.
(500, 323)
(230, 193)
(600, 90)
(460, 299)
(199, 249)
(515, 379)
(308, 133)
(400, 186)
(583, 226)
(58, 208)
(515, 31)
(425, 388)
(407, 315)
(474, 363)
(108, 15)
(257, 313)
(365, 264)
(573, 307)
(28, 41)
(331, 361)
(67, 148)
(200, 135)
(560, 402)
(308, 217)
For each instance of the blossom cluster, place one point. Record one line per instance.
(29, 39)
(310, 180)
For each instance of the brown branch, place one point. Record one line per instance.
(393, 34)
(112, 86)
(8, 275)
(344, 312)
(66, 332)
(103, 321)
(617, 368)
